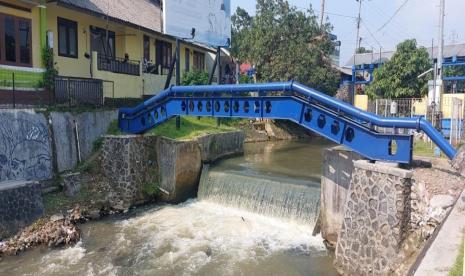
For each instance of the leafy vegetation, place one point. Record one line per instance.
(113, 128)
(50, 71)
(58, 202)
(194, 78)
(285, 43)
(398, 77)
(190, 127)
(363, 50)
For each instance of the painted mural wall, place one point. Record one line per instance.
(25, 146)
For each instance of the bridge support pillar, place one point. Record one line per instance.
(338, 165)
(376, 219)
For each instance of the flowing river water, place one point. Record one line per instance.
(254, 215)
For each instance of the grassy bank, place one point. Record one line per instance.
(191, 127)
(457, 269)
(422, 148)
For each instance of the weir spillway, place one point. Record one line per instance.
(278, 197)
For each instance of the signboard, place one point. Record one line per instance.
(210, 18)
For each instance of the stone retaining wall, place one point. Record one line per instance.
(376, 219)
(20, 205)
(131, 162)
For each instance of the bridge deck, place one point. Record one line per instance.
(327, 116)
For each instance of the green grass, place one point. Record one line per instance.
(191, 127)
(457, 269)
(58, 202)
(113, 128)
(23, 79)
(422, 148)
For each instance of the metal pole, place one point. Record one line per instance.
(322, 15)
(359, 19)
(212, 72)
(218, 66)
(438, 94)
(14, 90)
(178, 76)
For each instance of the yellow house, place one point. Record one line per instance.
(117, 41)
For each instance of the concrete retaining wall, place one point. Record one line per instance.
(20, 205)
(220, 145)
(25, 146)
(335, 181)
(376, 219)
(89, 125)
(26, 137)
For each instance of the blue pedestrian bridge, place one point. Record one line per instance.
(331, 118)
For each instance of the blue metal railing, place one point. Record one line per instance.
(330, 117)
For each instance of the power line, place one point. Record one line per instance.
(396, 29)
(392, 17)
(371, 34)
(328, 13)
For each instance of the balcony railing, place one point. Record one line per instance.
(118, 65)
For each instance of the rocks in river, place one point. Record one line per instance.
(56, 231)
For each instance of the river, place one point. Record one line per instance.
(244, 230)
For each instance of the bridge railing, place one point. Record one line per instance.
(338, 109)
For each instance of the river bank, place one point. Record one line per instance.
(88, 188)
(199, 237)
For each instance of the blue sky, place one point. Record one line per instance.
(417, 19)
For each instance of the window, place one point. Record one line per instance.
(102, 41)
(199, 61)
(164, 54)
(146, 48)
(15, 42)
(188, 60)
(67, 38)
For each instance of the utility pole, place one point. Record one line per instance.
(322, 15)
(359, 20)
(440, 58)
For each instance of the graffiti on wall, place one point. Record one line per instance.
(25, 148)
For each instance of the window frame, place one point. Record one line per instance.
(164, 47)
(68, 25)
(17, 21)
(196, 56)
(187, 60)
(111, 35)
(146, 47)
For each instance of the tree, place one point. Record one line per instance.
(363, 50)
(284, 44)
(398, 78)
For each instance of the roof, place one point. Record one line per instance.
(374, 58)
(369, 58)
(143, 13)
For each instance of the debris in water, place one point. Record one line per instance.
(209, 250)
